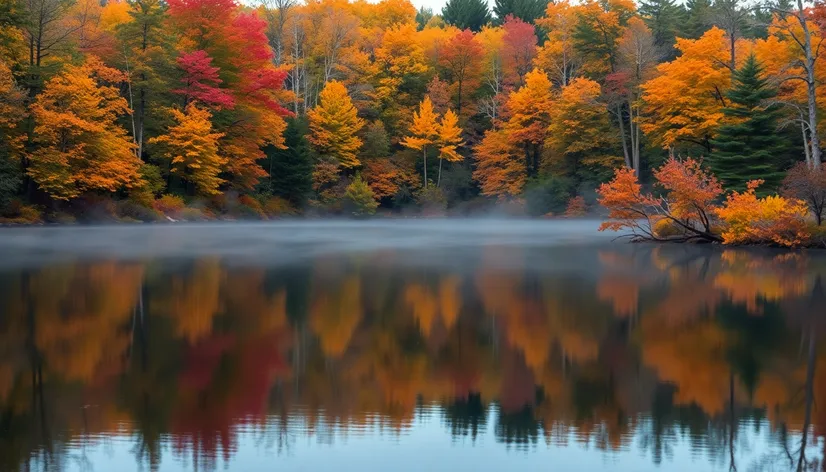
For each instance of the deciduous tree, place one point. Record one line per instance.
(530, 110)
(424, 132)
(450, 138)
(461, 57)
(78, 144)
(191, 146)
(334, 125)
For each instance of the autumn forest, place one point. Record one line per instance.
(139, 110)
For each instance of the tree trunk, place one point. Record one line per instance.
(439, 178)
(811, 85)
(424, 155)
(625, 152)
(806, 149)
(807, 418)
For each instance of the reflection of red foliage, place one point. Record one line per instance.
(518, 385)
(225, 384)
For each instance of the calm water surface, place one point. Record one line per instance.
(405, 346)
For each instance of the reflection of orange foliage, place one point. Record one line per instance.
(80, 313)
(528, 331)
(692, 357)
(621, 291)
(450, 299)
(423, 304)
(747, 279)
(577, 347)
(335, 314)
(194, 301)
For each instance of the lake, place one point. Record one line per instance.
(405, 345)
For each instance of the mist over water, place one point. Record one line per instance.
(284, 242)
(405, 345)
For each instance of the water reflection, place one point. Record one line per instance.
(663, 352)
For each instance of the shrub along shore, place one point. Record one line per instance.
(688, 204)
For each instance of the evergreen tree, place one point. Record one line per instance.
(663, 17)
(291, 172)
(466, 14)
(526, 10)
(423, 15)
(749, 145)
(698, 18)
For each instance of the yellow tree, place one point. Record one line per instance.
(12, 111)
(424, 132)
(500, 169)
(450, 138)
(684, 103)
(530, 109)
(558, 54)
(192, 148)
(399, 66)
(79, 145)
(580, 132)
(334, 124)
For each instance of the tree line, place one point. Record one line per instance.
(193, 109)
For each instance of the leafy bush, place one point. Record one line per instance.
(665, 228)
(772, 219)
(576, 207)
(136, 211)
(249, 207)
(432, 200)
(809, 185)
(19, 213)
(193, 214)
(149, 186)
(359, 198)
(688, 201)
(170, 205)
(277, 206)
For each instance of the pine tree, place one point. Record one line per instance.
(749, 147)
(291, 172)
(423, 16)
(698, 19)
(360, 199)
(663, 17)
(526, 10)
(466, 14)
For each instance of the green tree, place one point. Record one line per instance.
(466, 14)
(663, 17)
(291, 171)
(360, 199)
(526, 10)
(698, 18)
(423, 15)
(376, 141)
(749, 146)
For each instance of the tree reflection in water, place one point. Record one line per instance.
(625, 348)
